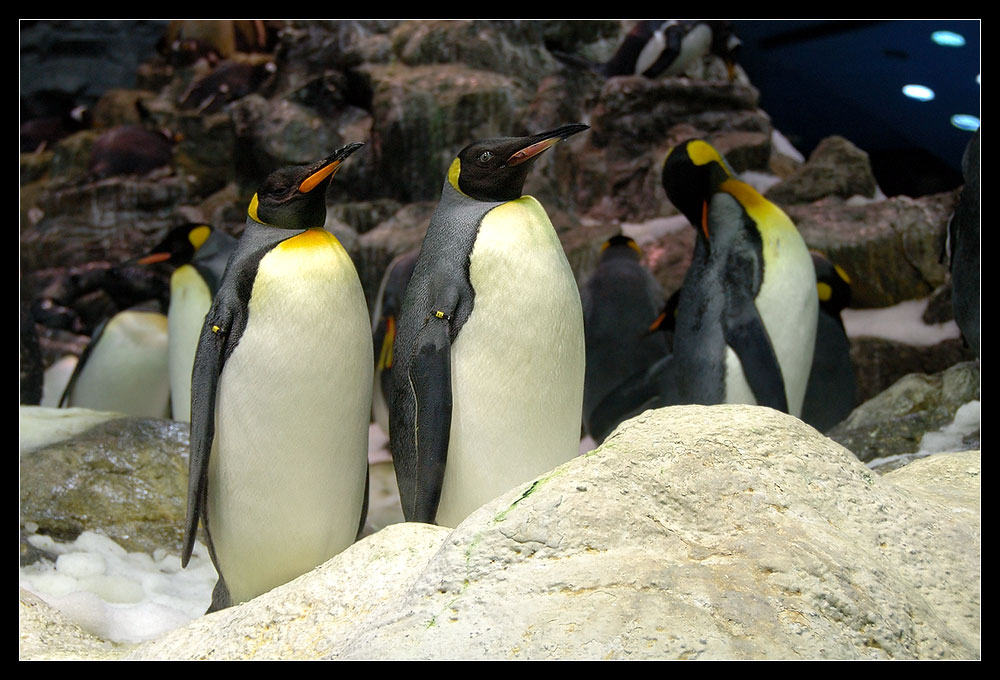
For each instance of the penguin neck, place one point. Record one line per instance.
(451, 194)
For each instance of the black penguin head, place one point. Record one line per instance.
(295, 197)
(692, 172)
(620, 246)
(179, 245)
(833, 285)
(495, 169)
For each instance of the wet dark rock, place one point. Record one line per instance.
(890, 249)
(424, 115)
(880, 362)
(835, 168)
(894, 421)
(124, 477)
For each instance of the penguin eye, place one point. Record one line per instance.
(485, 157)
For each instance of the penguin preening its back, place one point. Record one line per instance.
(621, 299)
(655, 48)
(831, 393)
(281, 393)
(746, 317)
(384, 321)
(488, 366)
(200, 254)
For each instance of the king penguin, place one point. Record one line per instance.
(489, 357)
(280, 395)
(831, 394)
(124, 367)
(746, 317)
(200, 254)
(621, 299)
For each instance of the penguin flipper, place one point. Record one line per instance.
(81, 362)
(745, 333)
(364, 506)
(218, 335)
(430, 379)
(668, 48)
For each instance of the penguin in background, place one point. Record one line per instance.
(663, 48)
(652, 386)
(129, 150)
(488, 366)
(280, 395)
(964, 246)
(200, 254)
(384, 321)
(746, 316)
(621, 299)
(831, 393)
(124, 368)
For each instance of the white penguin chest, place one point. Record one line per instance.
(517, 363)
(288, 465)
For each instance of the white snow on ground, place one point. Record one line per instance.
(900, 322)
(118, 595)
(946, 440)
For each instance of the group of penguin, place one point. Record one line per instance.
(488, 358)
(757, 319)
(483, 394)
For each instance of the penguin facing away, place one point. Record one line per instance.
(831, 393)
(281, 392)
(746, 317)
(489, 358)
(620, 299)
(200, 254)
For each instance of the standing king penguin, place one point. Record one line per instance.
(281, 393)
(489, 358)
(746, 318)
(200, 254)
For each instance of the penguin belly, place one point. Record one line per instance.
(788, 305)
(126, 371)
(694, 45)
(517, 364)
(190, 300)
(289, 460)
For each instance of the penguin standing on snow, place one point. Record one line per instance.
(489, 359)
(200, 254)
(746, 317)
(621, 299)
(281, 393)
(663, 48)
